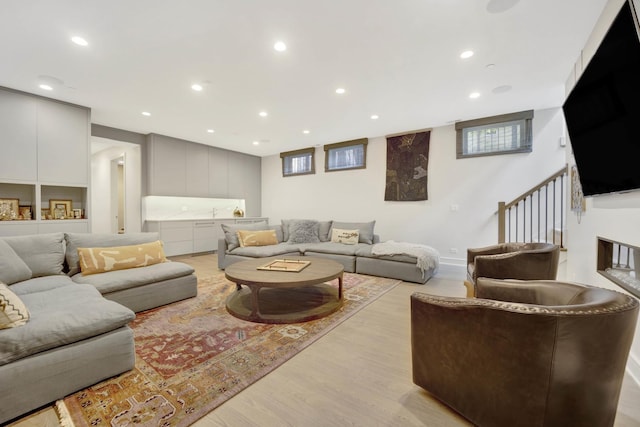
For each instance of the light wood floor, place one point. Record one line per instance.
(359, 374)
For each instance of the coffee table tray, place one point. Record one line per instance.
(292, 265)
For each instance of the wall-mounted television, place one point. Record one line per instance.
(602, 111)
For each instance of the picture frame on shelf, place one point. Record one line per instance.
(77, 213)
(9, 209)
(25, 212)
(45, 213)
(60, 209)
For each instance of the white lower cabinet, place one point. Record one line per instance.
(192, 236)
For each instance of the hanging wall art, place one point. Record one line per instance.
(407, 161)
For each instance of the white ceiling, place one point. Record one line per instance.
(398, 59)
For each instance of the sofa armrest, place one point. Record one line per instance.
(222, 251)
(472, 253)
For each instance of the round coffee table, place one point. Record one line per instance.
(284, 296)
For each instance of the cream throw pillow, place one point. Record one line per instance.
(100, 260)
(257, 237)
(347, 237)
(13, 312)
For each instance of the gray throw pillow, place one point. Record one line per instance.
(101, 240)
(231, 232)
(43, 253)
(12, 268)
(304, 231)
(364, 228)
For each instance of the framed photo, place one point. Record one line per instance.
(60, 209)
(9, 209)
(77, 213)
(45, 213)
(25, 212)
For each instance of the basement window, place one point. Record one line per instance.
(504, 134)
(345, 155)
(298, 162)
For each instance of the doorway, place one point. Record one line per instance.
(118, 196)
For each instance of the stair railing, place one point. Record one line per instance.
(539, 212)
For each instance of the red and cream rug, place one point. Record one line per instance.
(192, 356)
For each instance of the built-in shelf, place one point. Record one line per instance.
(620, 263)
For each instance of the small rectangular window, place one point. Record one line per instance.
(298, 162)
(504, 134)
(346, 155)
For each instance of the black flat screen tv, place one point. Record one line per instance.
(602, 111)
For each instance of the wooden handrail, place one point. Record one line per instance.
(523, 196)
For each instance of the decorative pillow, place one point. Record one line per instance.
(12, 268)
(365, 229)
(257, 238)
(304, 231)
(348, 237)
(231, 232)
(100, 260)
(13, 312)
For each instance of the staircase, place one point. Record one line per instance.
(537, 215)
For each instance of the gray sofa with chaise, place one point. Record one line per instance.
(357, 257)
(74, 331)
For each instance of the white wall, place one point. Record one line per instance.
(615, 217)
(101, 187)
(476, 185)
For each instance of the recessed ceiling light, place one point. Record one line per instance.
(263, 114)
(79, 41)
(210, 131)
(374, 117)
(45, 87)
(306, 131)
(474, 95)
(466, 54)
(146, 113)
(280, 46)
(256, 142)
(196, 87)
(340, 91)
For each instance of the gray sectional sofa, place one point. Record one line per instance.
(356, 258)
(77, 331)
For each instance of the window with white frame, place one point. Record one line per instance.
(298, 162)
(345, 155)
(504, 134)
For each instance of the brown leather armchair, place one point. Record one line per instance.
(525, 353)
(524, 261)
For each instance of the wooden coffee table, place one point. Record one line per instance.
(284, 296)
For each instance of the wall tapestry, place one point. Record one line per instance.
(407, 160)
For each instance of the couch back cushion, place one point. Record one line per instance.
(100, 240)
(43, 253)
(103, 259)
(12, 268)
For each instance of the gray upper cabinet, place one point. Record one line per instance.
(218, 173)
(245, 172)
(63, 149)
(18, 143)
(197, 170)
(167, 167)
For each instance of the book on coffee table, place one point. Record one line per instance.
(292, 265)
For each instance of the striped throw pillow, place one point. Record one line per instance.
(13, 312)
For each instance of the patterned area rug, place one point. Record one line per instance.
(192, 356)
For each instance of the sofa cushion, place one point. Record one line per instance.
(12, 268)
(12, 310)
(304, 231)
(43, 253)
(257, 238)
(346, 237)
(100, 240)
(266, 251)
(324, 233)
(365, 229)
(231, 232)
(41, 284)
(103, 259)
(331, 248)
(364, 251)
(61, 316)
(117, 280)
